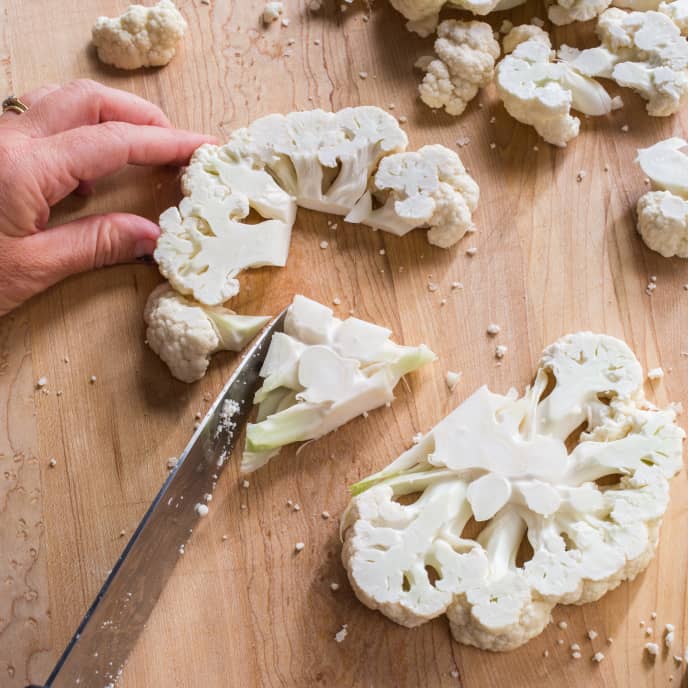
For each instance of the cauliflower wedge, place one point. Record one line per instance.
(466, 54)
(428, 188)
(185, 334)
(141, 37)
(518, 467)
(204, 244)
(538, 91)
(319, 374)
(643, 51)
(663, 213)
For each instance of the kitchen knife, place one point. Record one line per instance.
(97, 654)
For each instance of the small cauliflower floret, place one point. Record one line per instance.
(540, 92)
(663, 214)
(466, 54)
(427, 188)
(141, 37)
(204, 244)
(561, 12)
(324, 159)
(319, 374)
(677, 11)
(185, 334)
(272, 11)
(508, 461)
(643, 51)
(522, 33)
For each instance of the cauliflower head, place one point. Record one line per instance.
(536, 90)
(185, 334)
(141, 37)
(663, 213)
(428, 188)
(204, 244)
(643, 51)
(466, 54)
(319, 374)
(517, 466)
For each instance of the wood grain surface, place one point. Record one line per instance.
(554, 256)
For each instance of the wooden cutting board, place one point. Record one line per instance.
(555, 255)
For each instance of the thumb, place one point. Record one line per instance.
(90, 242)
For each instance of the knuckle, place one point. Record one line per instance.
(105, 244)
(85, 87)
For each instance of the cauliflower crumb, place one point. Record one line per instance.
(454, 673)
(536, 21)
(172, 462)
(363, 75)
(462, 141)
(576, 655)
(452, 379)
(181, 549)
(417, 438)
(272, 12)
(669, 639)
(52, 463)
(653, 278)
(545, 653)
(617, 103)
(296, 507)
(245, 484)
(298, 547)
(41, 382)
(592, 634)
(575, 647)
(433, 286)
(648, 630)
(337, 301)
(500, 351)
(334, 587)
(652, 649)
(459, 285)
(625, 128)
(655, 374)
(598, 657)
(341, 634)
(325, 515)
(92, 379)
(207, 497)
(494, 329)
(471, 251)
(402, 119)
(324, 244)
(285, 22)
(201, 509)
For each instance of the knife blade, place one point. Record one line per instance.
(97, 653)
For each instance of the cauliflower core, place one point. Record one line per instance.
(466, 54)
(540, 92)
(141, 37)
(663, 214)
(519, 466)
(643, 51)
(320, 373)
(185, 334)
(429, 188)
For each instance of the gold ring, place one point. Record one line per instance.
(13, 104)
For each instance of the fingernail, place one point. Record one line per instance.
(144, 247)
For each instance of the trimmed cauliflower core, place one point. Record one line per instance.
(643, 51)
(504, 461)
(663, 214)
(430, 188)
(185, 334)
(538, 91)
(466, 54)
(320, 373)
(141, 37)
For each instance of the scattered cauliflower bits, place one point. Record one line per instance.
(503, 460)
(663, 214)
(538, 91)
(428, 188)
(466, 54)
(141, 37)
(320, 373)
(185, 334)
(643, 51)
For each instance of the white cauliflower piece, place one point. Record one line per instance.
(503, 460)
(272, 11)
(185, 334)
(141, 37)
(427, 188)
(537, 91)
(561, 12)
(466, 54)
(677, 11)
(204, 245)
(663, 214)
(320, 373)
(643, 51)
(522, 33)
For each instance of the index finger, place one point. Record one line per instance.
(85, 102)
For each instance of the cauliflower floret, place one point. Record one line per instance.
(141, 37)
(537, 91)
(506, 461)
(562, 12)
(427, 188)
(272, 11)
(663, 223)
(319, 374)
(677, 11)
(643, 51)
(522, 33)
(466, 54)
(185, 334)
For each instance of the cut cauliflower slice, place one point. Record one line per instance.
(466, 54)
(517, 465)
(663, 214)
(185, 334)
(427, 188)
(324, 159)
(643, 51)
(540, 92)
(319, 374)
(141, 37)
(204, 244)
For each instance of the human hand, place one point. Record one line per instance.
(70, 137)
